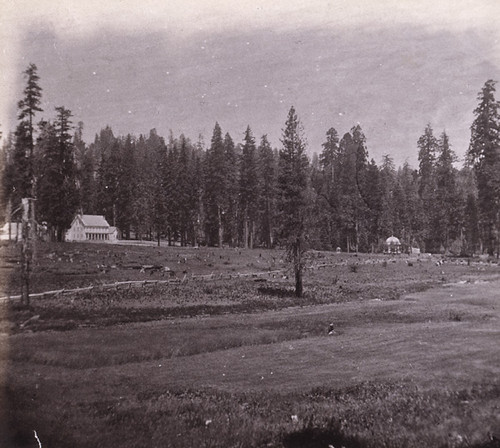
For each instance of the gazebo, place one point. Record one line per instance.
(392, 245)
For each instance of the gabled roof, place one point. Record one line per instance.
(94, 221)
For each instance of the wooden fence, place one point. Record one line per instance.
(143, 283)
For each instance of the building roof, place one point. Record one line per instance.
(94, 221)
(392, 240)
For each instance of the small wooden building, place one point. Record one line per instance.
(392, 245)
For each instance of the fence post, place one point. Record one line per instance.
(27, 247)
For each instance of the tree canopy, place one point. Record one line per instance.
(244, 192)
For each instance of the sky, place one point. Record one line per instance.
(180, 66)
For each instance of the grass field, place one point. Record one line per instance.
(233, 359)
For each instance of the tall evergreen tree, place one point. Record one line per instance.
(19, 182)
(86, 167)
(232, 192)
(327, 189)
(186, 191)
(159, 186)
(171, 189)
(408, 205)
(293, 184)
(214, 194)
(197, 193)
(127, 186)
(388, 223)
(466, 210)
(484, 155)
(108, 147)
(348, 192)
(56, 188)
(28, 107)
(373, 197)
(368, 189)
(330, 152)
(427, 148)
(267, 171)
(447, 222)
(144, 196)
(249, 193)
(8, 175)
(471, 222)
(354, 196)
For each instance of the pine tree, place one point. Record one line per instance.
(330, 152)
(373, 196)
(267, 173)
(143, 202)
(197, 193)
(186, 191)
(126, 186)
(108, 147)
(427, 145)
(56, 188)
(158, 185)
(447, 228)
(348, 193)
(293, 184)
(85, 173)
(471, 224)
(354, 201)
(28, 107)
(326, 185)
(388, 223)
(214, 193)
(248, 188)
(20, 181)
(232, 190)
(8, 170)
(408, 205)
(171, 189)
(484, 155)
(368, 192)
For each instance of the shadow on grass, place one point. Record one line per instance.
(320, 437)
(494, 442)
(276, 292)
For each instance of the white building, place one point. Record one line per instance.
(392, 245)
(15, 232)
(91, 228)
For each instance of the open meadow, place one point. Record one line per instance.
(184, 347)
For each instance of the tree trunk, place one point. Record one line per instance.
(245, 233)
(9, 217)
(298, 282)
(219, 216)
(297, 264)
(357, 237)
(251, 235)
(268, 225)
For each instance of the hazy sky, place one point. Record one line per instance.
(392, 66)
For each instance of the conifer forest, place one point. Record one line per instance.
(244, 191)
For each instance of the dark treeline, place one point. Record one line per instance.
(240, 191)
